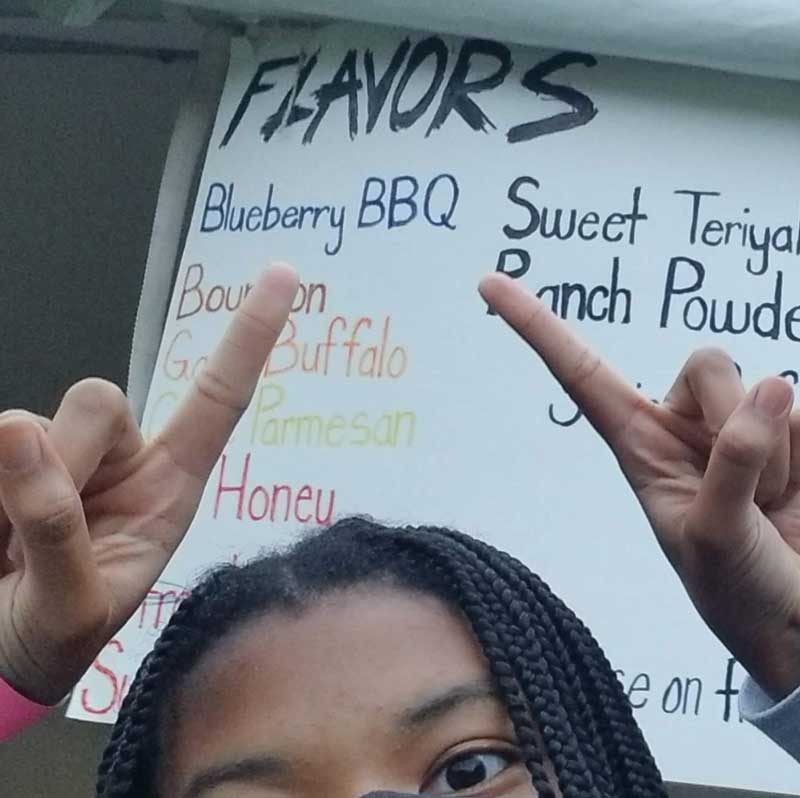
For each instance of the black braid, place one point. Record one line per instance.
(527, 662)
(564, 700)
(490, 629)
(132, 740)
(620, 734)
(535, 631)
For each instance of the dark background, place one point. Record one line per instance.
(83, 139)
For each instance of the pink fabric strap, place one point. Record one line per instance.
(16, 712)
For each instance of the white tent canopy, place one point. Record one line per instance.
(759, 37)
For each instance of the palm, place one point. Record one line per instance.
(133, 521)
(785, 518)
(135, 510)
(664, 455)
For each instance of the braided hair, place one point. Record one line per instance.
(561, 694)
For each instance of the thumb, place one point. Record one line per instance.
(722, 509)
(58, 604)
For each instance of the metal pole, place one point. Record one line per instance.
(173, 211)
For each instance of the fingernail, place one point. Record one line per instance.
(20, 449)
(772, 398)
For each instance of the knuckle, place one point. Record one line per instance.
(56, 522)
(585, 367)
(213, 386)
(254, 324)
(96, 397)
(742, 446)
(530, 322)
(20, 414)
(710, 359)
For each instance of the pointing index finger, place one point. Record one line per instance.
(604, 396)
(196, 435)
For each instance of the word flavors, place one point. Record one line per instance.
(402, 91)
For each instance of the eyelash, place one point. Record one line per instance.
(510, 755)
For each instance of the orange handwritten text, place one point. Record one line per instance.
(273, 427)
(354, 348)
(179, 366)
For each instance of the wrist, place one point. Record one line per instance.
(43, 684)
(776, 681)
(774, 664)
(42, 691)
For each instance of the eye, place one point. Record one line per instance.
(467, 770)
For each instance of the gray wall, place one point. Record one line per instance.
(82, 143)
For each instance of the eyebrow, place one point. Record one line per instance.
(266, 767)
(438, 705)
(252, 769)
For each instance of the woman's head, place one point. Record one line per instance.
(369, 659)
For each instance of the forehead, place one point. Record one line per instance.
(352, 660)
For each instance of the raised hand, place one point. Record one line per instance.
(716, 470)
(92, 514)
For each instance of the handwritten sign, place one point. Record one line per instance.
(655, 208)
